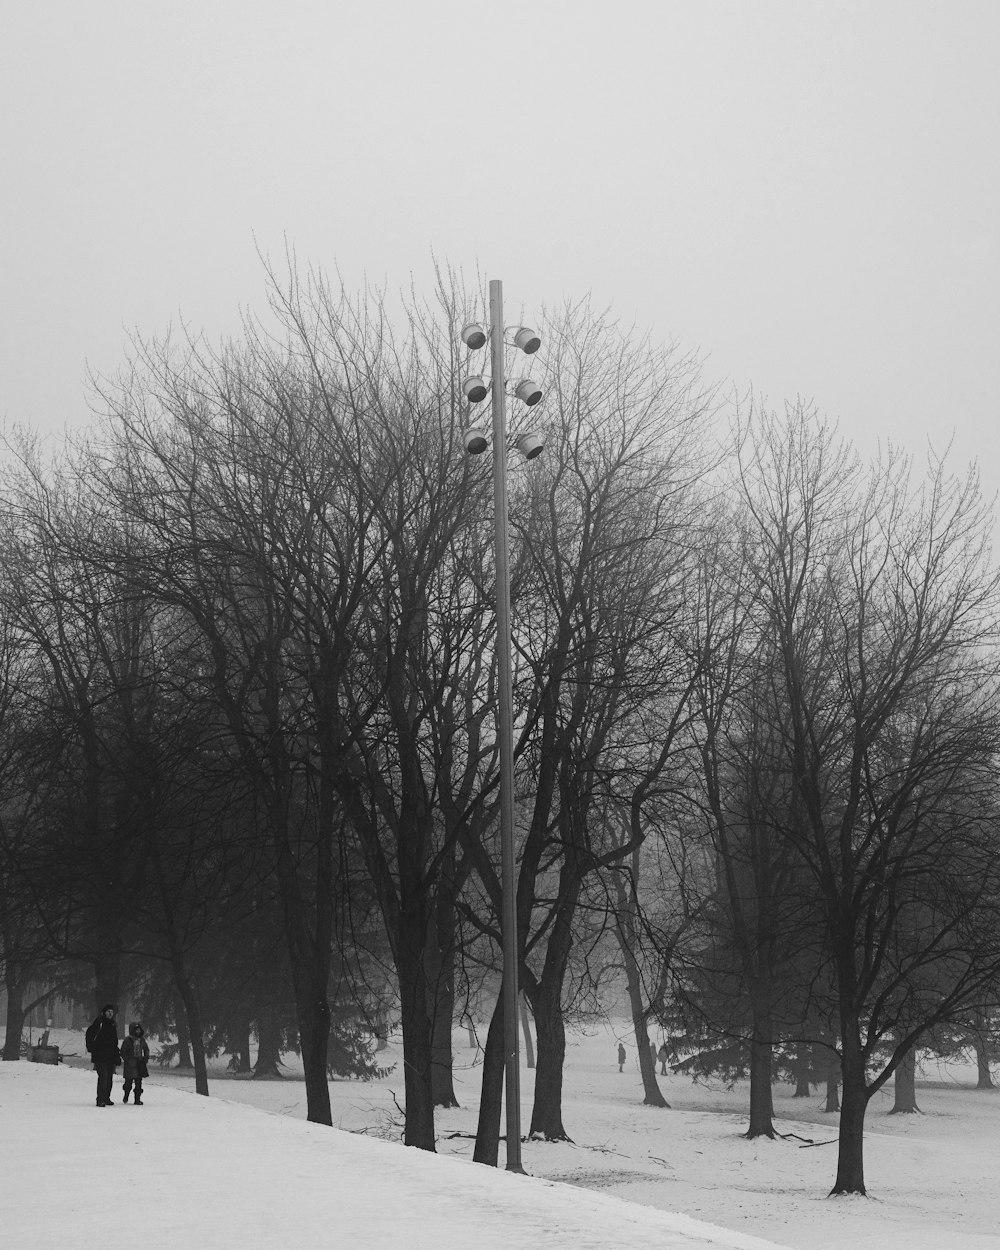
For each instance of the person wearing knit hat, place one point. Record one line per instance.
(101, 1040)
(135, 1056)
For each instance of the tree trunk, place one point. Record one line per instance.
(832, 1082)
(802, 1057)
(314, 1044)
(442, 1074)
(984, 1078)
(240, 1058)
(647, 1064)
(850, 1156)
(268, 1061)
(15, 1017)
(546, 1112)
(184, 1060)
(441, 979)
(625, 932)
(307, 936)
(761, 1102)
(761, 1048)
(194, 1030)
(529, 1049)
(14, 1028)
(545, 996)
(905, 1086)
(418, 1129)
(491, 1099)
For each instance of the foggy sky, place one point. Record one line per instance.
(807, 192)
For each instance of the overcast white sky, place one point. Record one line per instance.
(808, 191)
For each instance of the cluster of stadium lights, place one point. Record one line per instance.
(475, 390)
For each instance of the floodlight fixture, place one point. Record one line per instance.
(474, 336)
(475, 390)
(529, 445)
(476, 441)
(527, 340)
(528, 392)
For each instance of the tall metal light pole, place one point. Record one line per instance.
(508, 879)
(530, 446)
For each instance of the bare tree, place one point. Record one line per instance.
(602, 526)
(759, 947)
(881, 603)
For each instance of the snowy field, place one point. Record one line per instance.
(243, 1168)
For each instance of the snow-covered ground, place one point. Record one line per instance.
(218, 1173)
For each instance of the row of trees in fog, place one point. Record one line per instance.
(247, 749)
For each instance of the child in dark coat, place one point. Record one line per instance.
(135, 1056)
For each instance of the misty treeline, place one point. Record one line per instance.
(248, 768)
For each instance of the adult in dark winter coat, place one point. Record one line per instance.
(135, 1056)
(102, 1042)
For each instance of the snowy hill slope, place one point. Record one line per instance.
(184, 1170)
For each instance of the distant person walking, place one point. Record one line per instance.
(661, 1054)
(621, 1057)
(101, 1040)
(135, 1056)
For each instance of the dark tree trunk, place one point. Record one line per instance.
(546, 1112)
(529, 1049)
(194, 1030)
(184, 1060)
(984, 1078)
(314, 1043)
(832, 1082)
(308, 932)
(850, 1156)
(240, 1060)
(441, 980)
(545, 996)
(761, 1056)
(905, 1086)
(802, 1058)
(441, 977)
(625, 932)
(647, 1064)
(15, 1021)
(189, 1024)
(418, 1129)
(267, 1066)
(761, 1102)
(491, 1099)
(442, 1074)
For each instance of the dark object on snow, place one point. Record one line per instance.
(135, 1056)
(44, 1054)
(102, 1041)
